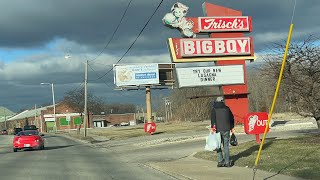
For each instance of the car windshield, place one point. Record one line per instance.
(27, 133)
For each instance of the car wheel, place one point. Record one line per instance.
(15, 150)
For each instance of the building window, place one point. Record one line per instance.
(77, 120)
(63, 122)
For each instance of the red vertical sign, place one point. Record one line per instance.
(235, 95)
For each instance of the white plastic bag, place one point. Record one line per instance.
(213, 142)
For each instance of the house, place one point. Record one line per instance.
(65, 118)
(43, 118)
(99, 121)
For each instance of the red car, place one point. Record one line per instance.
(29, 139)
(4, 132)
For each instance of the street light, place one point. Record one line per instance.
(53, 102)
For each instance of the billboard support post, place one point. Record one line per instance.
(148, 104)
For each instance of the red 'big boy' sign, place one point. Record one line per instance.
(190, 47)
(255, 123)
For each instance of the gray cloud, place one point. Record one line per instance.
(35, 23)
(82, 27)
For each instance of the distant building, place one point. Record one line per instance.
(5, 114)
(66, 118)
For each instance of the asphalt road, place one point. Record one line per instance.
(66, 159)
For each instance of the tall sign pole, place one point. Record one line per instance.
(237, 98)
(148, 103)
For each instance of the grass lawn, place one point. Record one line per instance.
(299, 157)
(116, 133)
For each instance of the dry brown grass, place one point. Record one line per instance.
(114, 133)
(286, 116)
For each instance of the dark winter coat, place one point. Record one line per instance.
(221, 117)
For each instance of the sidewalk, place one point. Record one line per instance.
(191, 168)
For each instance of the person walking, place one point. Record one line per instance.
(222, 120)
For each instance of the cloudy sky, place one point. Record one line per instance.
(35, 36)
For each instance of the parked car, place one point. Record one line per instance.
(30, 127)
(17, 130)
(29, 139)
(124, 124)
(4, 132)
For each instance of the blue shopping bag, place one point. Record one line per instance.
(213, 142)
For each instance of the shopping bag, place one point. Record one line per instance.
(233, 140)
(213, 142)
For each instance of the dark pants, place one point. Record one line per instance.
(225, 136)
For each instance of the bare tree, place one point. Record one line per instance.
(119, 108)
(75, 99)
(186, 109)
(301, 78)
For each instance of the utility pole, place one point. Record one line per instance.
(170, 103)
(35, 115)
(85, 98)
(148, 103)
(54, 107)
(144, 118)
(5, 118)
(167, 108)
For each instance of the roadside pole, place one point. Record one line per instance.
(148, 103)
(276, 92)
(35, 115)
(85, 99)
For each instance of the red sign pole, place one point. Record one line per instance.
(258, 138)
(238, 100)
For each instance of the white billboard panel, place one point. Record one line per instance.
(210, 76)
(137, 74)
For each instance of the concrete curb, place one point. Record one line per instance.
(171, 174)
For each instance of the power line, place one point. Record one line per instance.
(114, 32)
(105, 82)
(132, 42)
(75, 89)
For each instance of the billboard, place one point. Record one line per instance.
(136, 74)
(210, 76)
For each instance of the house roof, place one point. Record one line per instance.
(5, 111)
(28, 113)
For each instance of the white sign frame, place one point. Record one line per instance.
(136, 74)
(210, 76)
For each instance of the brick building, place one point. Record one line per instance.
(66, 118)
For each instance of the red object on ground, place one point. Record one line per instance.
(255, 123)
(150, 127)
(29, 139)
(236, 96)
